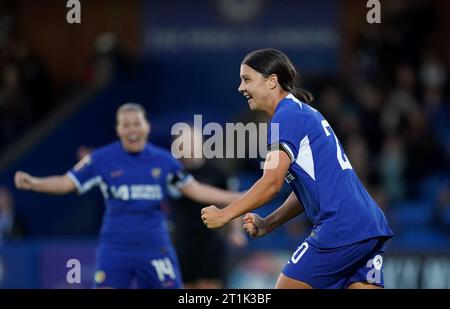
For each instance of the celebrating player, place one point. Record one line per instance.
(346, 245)
(133, 176)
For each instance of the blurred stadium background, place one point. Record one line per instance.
(383, 87)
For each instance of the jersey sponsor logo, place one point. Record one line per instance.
(137, 192)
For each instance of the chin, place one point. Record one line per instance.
(253, 107)
(134, 148)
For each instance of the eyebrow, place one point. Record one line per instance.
(245, 76)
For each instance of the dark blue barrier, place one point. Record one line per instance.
(43, 264)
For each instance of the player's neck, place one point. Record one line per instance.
(276, 100)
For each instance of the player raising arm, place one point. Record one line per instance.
(133, 176)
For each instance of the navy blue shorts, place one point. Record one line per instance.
(149, 270)
(337, 268)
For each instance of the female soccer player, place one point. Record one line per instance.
(133, 176)
(346, 245)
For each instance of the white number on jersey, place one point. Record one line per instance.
(163, 268)
(342, 159)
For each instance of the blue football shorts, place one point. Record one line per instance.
(337, 268)
(147, 270)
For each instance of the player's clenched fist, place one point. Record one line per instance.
(254, 225)
(214, 217)
(24, 181)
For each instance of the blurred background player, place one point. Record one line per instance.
(133, 176)
(203, 253)
(350, 231)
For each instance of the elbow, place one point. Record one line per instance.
(273, 187)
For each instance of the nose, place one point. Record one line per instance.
(241, 88)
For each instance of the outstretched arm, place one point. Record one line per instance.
(60, 184)
(266, 188)
(257, 226)
(206, 194)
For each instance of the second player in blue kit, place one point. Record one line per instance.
(133, 176)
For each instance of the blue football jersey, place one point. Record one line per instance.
(321, 176)
(134, 187)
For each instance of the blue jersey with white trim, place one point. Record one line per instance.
(322, 178)
(134, 187)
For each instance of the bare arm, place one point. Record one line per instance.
(266, 188)
(290, 209)
(60, 184)
(206, 194)
(257, 226)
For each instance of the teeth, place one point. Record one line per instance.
(133, 138)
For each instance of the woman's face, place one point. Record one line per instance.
(255, 87)
(133, 130)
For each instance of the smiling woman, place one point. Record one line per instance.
(132, 127)
(350, 230)
(133, 176)
(255, 74)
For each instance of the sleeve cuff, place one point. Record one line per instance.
(74, 180)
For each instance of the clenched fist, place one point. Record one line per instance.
(254, 225)
(24, 181)
(214, 217)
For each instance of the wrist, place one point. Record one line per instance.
(227, 214)
(269, 223)
(34, 182)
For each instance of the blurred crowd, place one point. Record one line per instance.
(25, 89)
(391, 112)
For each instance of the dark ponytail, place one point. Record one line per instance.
(301, 94)
(272, 61)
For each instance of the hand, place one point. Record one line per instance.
(255, 225)
(214, 217)
(24, 181)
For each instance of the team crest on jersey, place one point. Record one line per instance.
(83, 162)
(156, 172)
